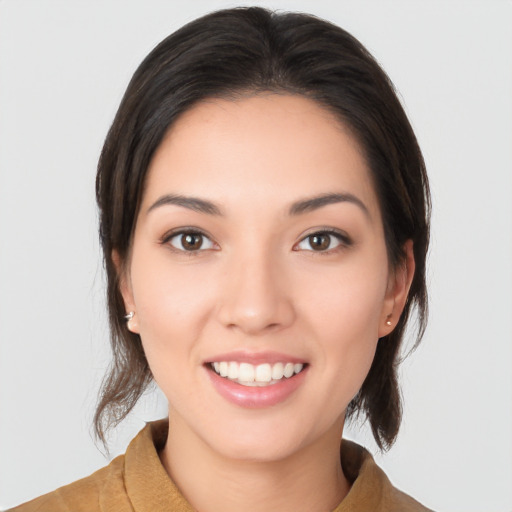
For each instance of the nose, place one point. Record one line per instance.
(256, 298)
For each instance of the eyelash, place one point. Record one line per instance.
(166, 240)
(343, 239)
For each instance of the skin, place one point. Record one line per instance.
(255, 285)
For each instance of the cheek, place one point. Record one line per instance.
(171, 302)
(172, 305)
(349, 300)
(344, 311)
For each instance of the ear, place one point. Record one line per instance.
(126, 291)
(398, 288)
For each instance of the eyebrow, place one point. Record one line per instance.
(314, 203)
(297, 208)
(192, 203)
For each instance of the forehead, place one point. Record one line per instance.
(263, 148)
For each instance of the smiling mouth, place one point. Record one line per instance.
(260, 375)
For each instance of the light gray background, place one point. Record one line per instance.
(63, 68)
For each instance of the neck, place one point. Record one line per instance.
(309, 480)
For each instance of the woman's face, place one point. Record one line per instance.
(259, 276)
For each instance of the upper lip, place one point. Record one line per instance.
(255, 358)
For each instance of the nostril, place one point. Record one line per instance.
(255, 304)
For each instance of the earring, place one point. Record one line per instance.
(131, 325)
(388, 321)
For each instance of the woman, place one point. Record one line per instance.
(264, 219)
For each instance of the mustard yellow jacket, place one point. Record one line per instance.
(137, 482)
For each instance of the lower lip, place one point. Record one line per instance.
(256, 397)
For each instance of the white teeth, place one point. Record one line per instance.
(223, 369)
(232, 370)
(246, 372)
(288, 370)
(263, 373)
(278, 371)
(259, 375)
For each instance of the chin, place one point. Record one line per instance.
(261, 442)
(261, 451)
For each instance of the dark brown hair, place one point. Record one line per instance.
(244, 51)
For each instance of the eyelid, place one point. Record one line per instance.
(185, 230)
(342, 237)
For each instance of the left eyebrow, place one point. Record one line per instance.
(314, 203)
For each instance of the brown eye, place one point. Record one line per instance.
(319, 241)
(323, 241)
(190, 241)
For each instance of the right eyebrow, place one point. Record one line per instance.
(192, 203)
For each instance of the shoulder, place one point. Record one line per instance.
(371, 488)
(135, 477)
(101, 491)
(395, 499)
